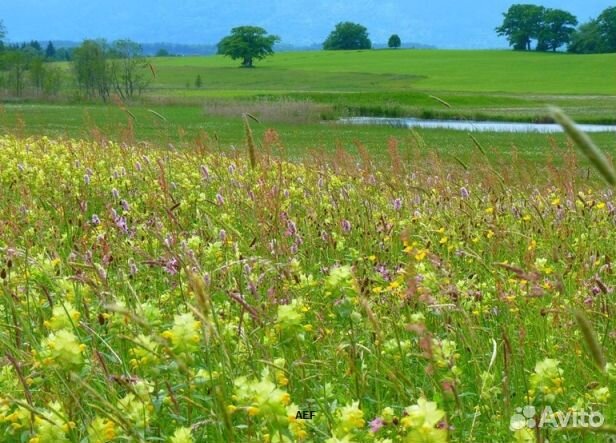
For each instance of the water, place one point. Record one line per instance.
(468, 125)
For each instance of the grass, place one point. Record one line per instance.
(169, 273)
(185, 124)
(189, 295)
(403, 70)
(478, 84)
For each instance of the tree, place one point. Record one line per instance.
(606, 23)
(50, 51)
(127, 68)
(587, 39)
(247, 43)
(37, 73)
(596, 36)
(394, 41)
(198, 81)
(2, 35)
(521, 24)
(17, 62)
(556, 29)
(348, 35)
(91, 70)
(34, 44)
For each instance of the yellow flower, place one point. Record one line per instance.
(52, 429)
(62, 349)
(101, 430)
(422, 420)
(547, 380)
(421, 254)
(63, 317)
(185, 334)
(181, 435)
(290, 315)
(145, 353)
(349, 417)
(134, 410)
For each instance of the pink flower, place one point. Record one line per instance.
(376, 424)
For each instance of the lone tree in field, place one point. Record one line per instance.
(248, 43)
(394, 41)
(521, 24)
(348, 35)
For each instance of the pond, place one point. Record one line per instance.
(469, 125)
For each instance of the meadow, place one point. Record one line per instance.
(172, 276)
(300, 95)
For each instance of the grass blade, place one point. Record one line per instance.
(594, 154)
(596, 351)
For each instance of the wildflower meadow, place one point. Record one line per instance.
(189, 295)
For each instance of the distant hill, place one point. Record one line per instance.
(179, 49)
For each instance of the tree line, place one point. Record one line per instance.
(96, 69)
(551, 29)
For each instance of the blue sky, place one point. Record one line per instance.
(444, 23)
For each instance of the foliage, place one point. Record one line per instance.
(348, 35)
(91, 69)
(606, 23)
(521, 24)
(50, 51)
(128, 68)
(394, 41)
(553, 28)
(556, 29)
(247, 43)
(588, 39)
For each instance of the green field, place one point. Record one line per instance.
(299, 94)
(174, 271)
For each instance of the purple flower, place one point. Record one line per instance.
(220, 200)
(376, 424)
(115, 193)
(205, 173)
(95, 220)
(172, 266)
(120, 222)
(86, 179)
(291, 228)
(222, 235)
(346, 226)
(464, 193)
(397, 204)
(125, 205)
(132, 268)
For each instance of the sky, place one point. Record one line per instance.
(464, 24)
